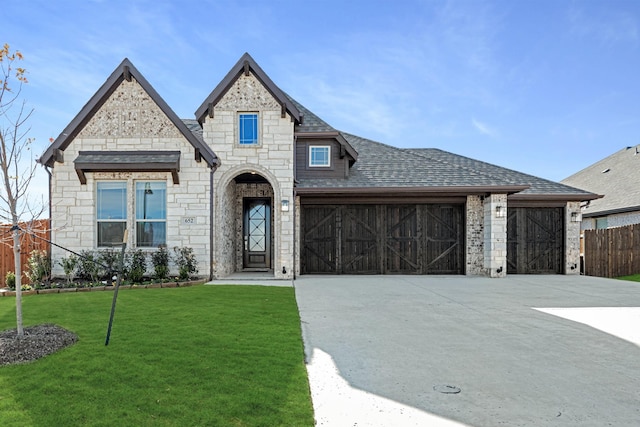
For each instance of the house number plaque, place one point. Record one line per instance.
(188, 220)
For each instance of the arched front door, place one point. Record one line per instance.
(257, 233)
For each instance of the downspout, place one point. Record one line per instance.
(295, 235)
(211, 217)
(50, 209)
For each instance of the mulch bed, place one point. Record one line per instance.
(38, 341)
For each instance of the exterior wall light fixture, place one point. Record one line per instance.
(501, 211)
(285, 205)
(576, 216)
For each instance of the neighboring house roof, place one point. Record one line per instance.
(383, 167)
(125, 70)
(616, 177)
(245, 65)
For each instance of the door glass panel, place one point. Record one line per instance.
(257, 228)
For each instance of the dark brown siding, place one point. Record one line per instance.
(383, 239)
(338, 168)
(535, 240)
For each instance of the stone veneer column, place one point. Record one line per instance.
(475, 236)
(495, 236)
(571, 239)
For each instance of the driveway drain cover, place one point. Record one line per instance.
(447, 389)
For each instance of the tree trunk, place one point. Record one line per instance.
(18, 271)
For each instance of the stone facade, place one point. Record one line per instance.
(571, 239)
(613, 220)
(73, 210)
(495, 236)
(271, 158)
(475, 236)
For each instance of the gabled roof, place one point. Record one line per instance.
(125, 70)
(314, 127)
(246, 65)
(383, 167)
(617, 177)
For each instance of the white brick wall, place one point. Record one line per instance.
(495, 236)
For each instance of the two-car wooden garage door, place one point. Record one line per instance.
(421, 239)
(383, 239)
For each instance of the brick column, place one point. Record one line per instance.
(571, 239)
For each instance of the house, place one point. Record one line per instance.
(616, 177)
(256, 182)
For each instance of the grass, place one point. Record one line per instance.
(632, 278)
(204, 355)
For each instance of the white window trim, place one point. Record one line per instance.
(328, 165)
(96, 221)
(156, 220)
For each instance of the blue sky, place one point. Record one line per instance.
(543, 87)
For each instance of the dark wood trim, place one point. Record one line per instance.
(126, 68)
(387, 200)
(246, 64)
(565, 197)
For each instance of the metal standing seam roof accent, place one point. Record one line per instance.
(124, 71)
(149, 161)
(619, 184)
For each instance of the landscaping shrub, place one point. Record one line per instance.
(186, 261)
(10, 280)
(38, 267)
(136, 266)
(88, 267)
(69, 265)
(110, 258)
(160, 260)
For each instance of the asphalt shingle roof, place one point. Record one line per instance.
(381, 165)
(616, 177)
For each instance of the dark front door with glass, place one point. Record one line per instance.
(257, 233)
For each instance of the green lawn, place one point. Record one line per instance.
(632, 278)
(198, 356)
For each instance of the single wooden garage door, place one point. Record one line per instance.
(535, 240)
(383, 239)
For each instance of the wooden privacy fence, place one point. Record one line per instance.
(612, 252)
(29, 243)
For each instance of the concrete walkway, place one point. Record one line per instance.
(452, 351)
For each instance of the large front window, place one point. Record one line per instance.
(111, 212)
(151, 214)
(248, 128)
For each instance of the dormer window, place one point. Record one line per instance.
(248, 129)
(320, 156)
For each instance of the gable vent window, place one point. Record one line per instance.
(320, 156)
(248, 128)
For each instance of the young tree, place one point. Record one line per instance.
(17, 167)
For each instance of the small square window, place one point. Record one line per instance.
(320, 156)
(248, 128)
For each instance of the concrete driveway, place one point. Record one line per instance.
(416, 350)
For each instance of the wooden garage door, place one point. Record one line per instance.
(383, 239)
(535, 241)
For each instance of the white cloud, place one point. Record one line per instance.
(484, 129)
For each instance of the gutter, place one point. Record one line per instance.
(509, 189)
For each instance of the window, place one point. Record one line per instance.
(320, 156)
(111, 212)
(248, 128)
(151, 214)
